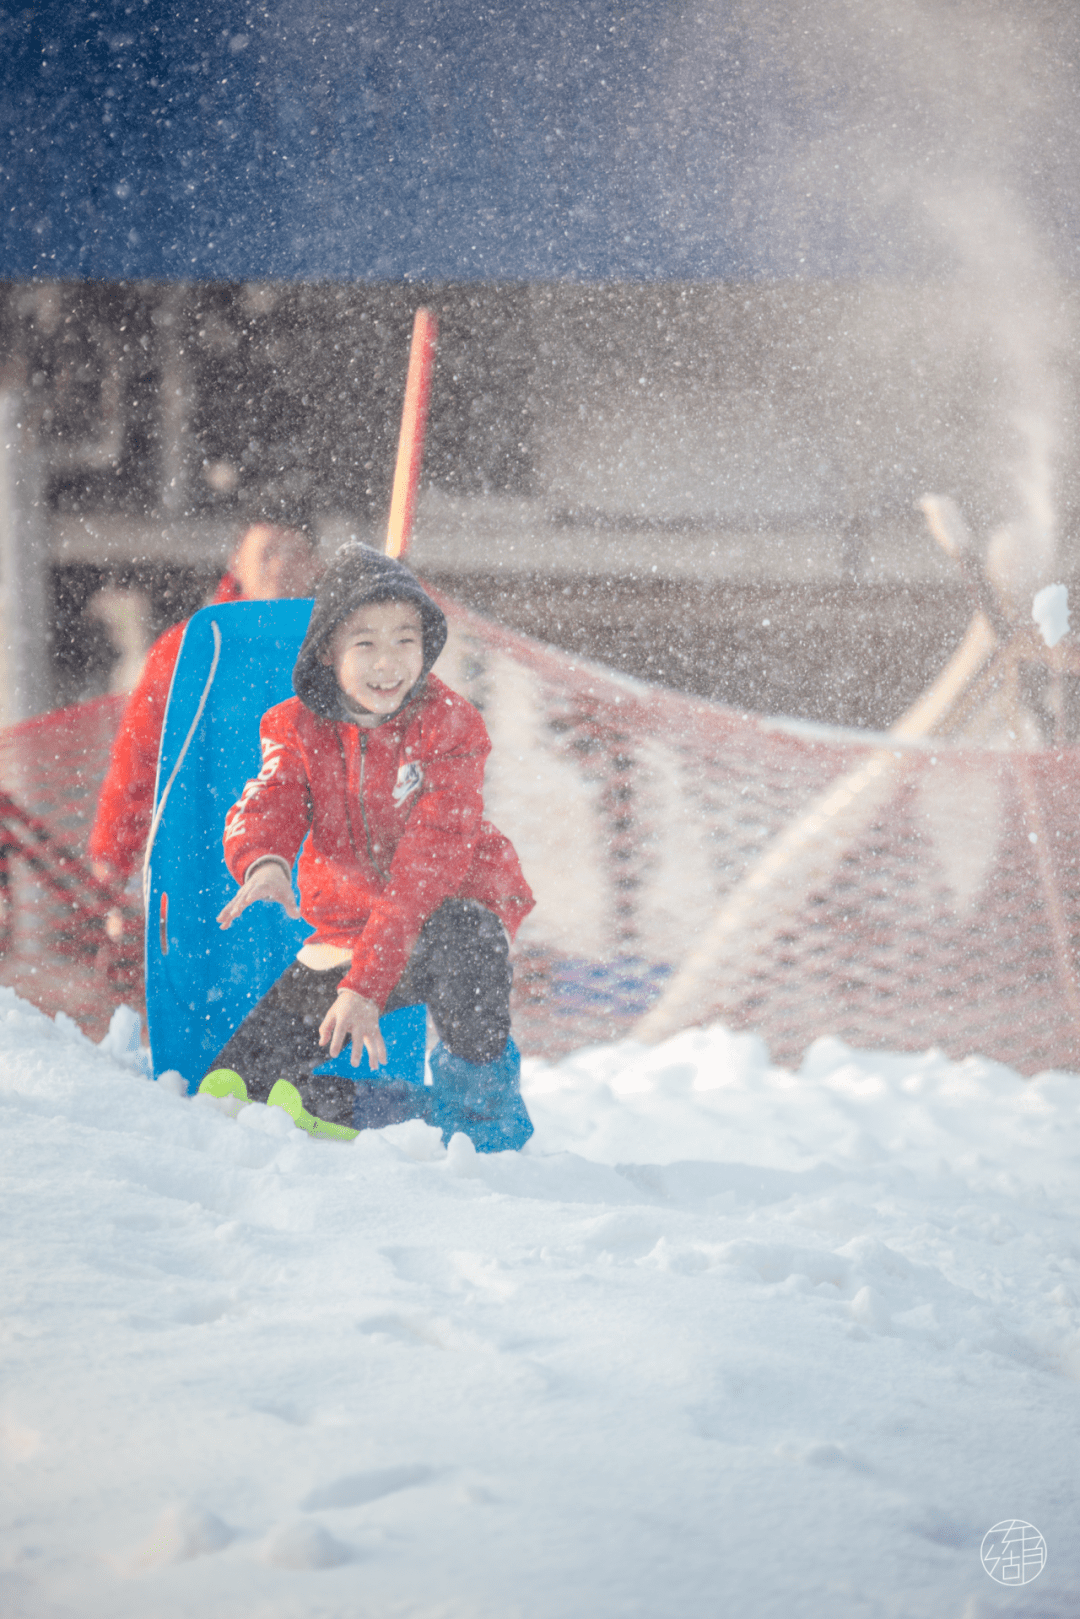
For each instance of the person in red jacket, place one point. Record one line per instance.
(274, 558)
(374, 773)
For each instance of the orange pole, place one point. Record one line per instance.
(411, 440)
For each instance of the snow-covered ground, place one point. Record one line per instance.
(725, 1339)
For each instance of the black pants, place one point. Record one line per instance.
(460, 967)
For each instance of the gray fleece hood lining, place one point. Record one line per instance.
(359, 575)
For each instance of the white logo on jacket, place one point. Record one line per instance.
(271, 763)
(409, 778)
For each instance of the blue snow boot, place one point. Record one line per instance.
(482, 1100)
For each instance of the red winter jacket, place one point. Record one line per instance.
(393, 818)
(126, 801)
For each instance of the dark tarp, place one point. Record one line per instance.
(457, 140)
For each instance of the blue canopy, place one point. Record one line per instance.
(444, 140)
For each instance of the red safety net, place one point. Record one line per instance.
(55, 944)
(691, 864)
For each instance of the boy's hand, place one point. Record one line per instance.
(353, 1018)
(112, 880)
(269, 881)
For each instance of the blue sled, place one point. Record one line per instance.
(235, 662)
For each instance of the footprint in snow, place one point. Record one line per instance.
(358, 1489)
(455, 1272)
(423, 1331)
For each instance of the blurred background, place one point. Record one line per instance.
(723, 290)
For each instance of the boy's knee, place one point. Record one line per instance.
(465, 921)
(464, 942)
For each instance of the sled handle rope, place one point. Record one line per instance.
(192, 728)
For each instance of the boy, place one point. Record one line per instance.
(376, 767)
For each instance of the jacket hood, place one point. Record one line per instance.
(359, 574)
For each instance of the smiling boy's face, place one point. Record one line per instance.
(377, 654)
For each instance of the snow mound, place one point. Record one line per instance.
(1050, 610)
(180, 1533)
(304, 1545)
